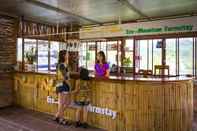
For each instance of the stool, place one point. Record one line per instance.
(161, 69)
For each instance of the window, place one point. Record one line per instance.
(30, 51)
(19, 50)
(143, 54)
(157, 53)
(112, 47)
(129, 50)
(43, 47)
(54, 49)
(36, 52)
(102, 46)
(90, 56)
(30, 54)
(185, 56)
(82, 54)
(150, 55)
(180, 55)
(171, 55)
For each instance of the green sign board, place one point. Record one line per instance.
(165, 29)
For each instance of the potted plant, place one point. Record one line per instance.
(126, 63)
(30, 57)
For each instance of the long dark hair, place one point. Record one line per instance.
(102, 54)
(62, 54)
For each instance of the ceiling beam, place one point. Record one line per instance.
(183, 15)
(56, 9)
(133, 8)
(8, 14)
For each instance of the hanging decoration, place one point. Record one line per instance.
(73, 45)
(42, 31)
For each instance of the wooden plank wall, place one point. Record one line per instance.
(8, 35)
(195, 96)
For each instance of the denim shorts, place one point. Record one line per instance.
(64, 87)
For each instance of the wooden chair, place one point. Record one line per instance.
(161, 69)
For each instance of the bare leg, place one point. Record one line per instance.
(59, 105)
(85, 115)
(78, 117)
(67, 101)
(61, 100)
(78, 114)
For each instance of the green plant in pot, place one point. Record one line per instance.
(30, 56)
(126, 62)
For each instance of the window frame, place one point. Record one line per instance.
(122, 50)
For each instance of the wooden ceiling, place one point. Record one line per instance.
(91, 12)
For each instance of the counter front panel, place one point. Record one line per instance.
(118, 105)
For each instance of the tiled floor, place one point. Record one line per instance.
(17, 119)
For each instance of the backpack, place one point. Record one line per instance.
(84, 74)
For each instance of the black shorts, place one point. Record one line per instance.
(63, 88)
(82, 103)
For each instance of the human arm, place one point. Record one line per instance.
(65, 73)
(77, 87)
(107, 70)
(107, 73)
(95, 69)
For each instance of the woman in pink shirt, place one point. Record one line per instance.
(101, 66)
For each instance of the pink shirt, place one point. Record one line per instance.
(101, 70)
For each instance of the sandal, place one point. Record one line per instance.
(85, 125)
(63, 122)
(56, 119)
(78, 124)
(69, 123)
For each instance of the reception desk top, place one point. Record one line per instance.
(120, 78)
(178, 78)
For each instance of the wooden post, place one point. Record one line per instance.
(134, 57)
(163, 58)
(23, 44)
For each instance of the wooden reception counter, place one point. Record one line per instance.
(119, 103)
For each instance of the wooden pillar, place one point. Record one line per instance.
(23, 43)
(163, 58)
(134, 57)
